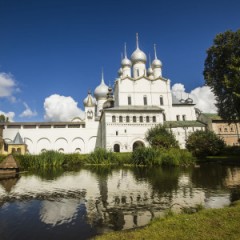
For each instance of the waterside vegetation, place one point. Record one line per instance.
(215, 224)
(140, 157)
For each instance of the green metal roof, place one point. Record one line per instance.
(174, 124)
(212, 116)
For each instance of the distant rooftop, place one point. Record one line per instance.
(174, 124)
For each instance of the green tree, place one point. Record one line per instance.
(3, 118)
(204, 143)
(160, 136)
(222, 73)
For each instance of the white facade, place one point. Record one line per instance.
(117, 120)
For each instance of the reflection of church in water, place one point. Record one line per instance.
(119, 199)
(116, 119)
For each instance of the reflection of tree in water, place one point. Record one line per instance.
(210, 176)
(117, 219)
(235, 194)
(51, 173)
(163, 180)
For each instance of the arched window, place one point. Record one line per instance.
(77, 150)
(129, 100)
(141, 119)
(134, 119)
(138, 144)
(116, 148)
(89, 114)
(161, 100)
(178, 118)
(184, 117)
(120, 118)
(154, 119)
(19, 150)
(147, 119)
(113, 118)
(61, 150)
(127, 119)
(145, 100)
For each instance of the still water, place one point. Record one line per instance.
(81, 204)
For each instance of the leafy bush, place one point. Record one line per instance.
(159, 136)
(204, 143)
(158, 157)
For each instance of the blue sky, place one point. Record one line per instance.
(60, 46)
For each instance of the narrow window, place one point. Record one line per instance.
(129, 100)
(178, 118)
(141, 119)
(113, 118)
(147, 119)
(164, 117)
(154, 118)
(138, 73)
(145, 100)
(184, 117)
(161, 100)
(116, 133)
(220, 129)
(127, 119)
(125, 130)
(134, 119)
(120, 119)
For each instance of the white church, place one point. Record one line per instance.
(115, 119)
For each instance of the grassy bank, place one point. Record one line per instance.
(141, 156)
(215, 224)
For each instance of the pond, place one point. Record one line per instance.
(81, 204)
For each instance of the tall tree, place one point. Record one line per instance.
(222, 73)
(3, 118)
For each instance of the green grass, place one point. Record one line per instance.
(208, 224)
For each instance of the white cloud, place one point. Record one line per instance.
(203, 97)
(7, 85)
(28, 112)
(178, 88)
(10, 115)
(61, 108)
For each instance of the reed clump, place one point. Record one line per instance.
(159, 156)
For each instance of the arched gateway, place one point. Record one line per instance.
(137, 144)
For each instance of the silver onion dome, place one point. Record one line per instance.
(156, 63)
(149, 71)
(138, 55)
(120, 71)
(126, 62)
(101, 90)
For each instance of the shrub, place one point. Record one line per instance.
(159, 136)
(158, 157)
(146, 156)
(101, 156)
(204, 143)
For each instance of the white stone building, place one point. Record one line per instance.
(116, 119)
